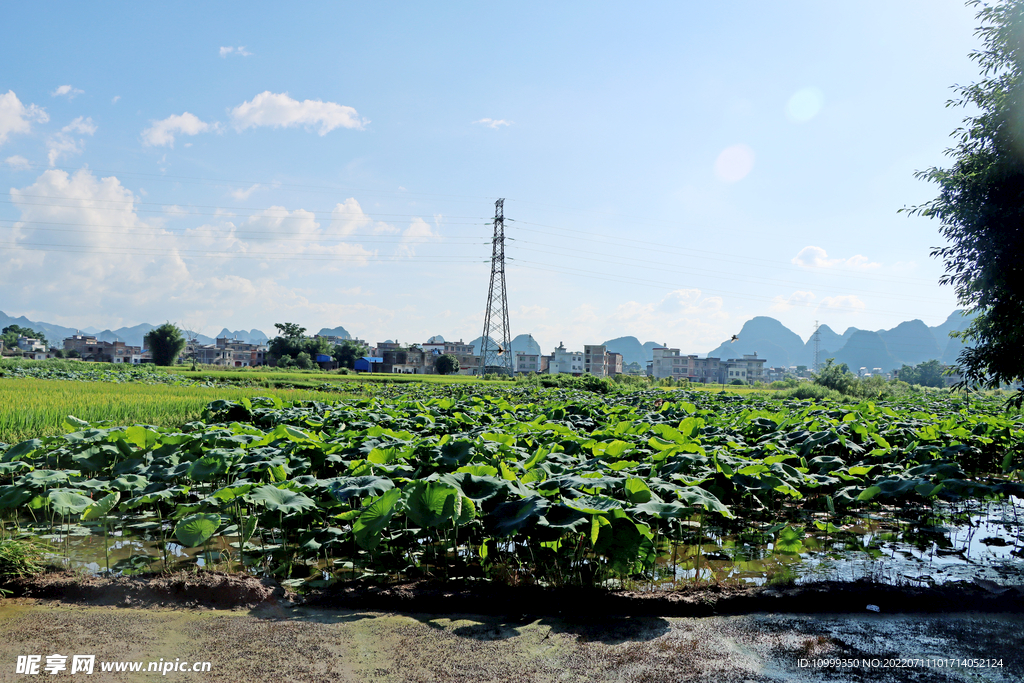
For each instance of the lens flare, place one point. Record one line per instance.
(804, 105)
(734, 163)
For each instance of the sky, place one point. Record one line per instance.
(669, 170)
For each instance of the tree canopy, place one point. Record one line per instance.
(348, 352)
(926, 374)
(446, 364)
(292, 349)
(981, 203)
(11, 333)
(165, 343)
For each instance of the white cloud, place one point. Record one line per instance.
(135, 270)
(418, 232)
(18, 163)
(240, 51)
(161, 133)
(494, 123)
(63, 142)
(348, 217)
(243, 194)
(66, 90)
(848, 302)
(280, 110)
(816, 257)
(799, 298)
(15, 117)
(115, 99)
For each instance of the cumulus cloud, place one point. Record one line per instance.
(242, 194)
(239, 51)
(848, 302)
(816, 257)
(494, 123)
(63, 143)
(161, 133)
(280, 110)
(18, 163)
(348, 218)
(418, 232)
(133, 269)
(784, 303)
(15, 117)
(66, 91)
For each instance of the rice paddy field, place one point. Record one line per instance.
(504, 482)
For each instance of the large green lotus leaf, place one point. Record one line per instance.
(46, 478)
(209, 467)
(594, 505)
(564, 517)
(367, 529)
(637, 491)
(21, 450)
(515, 515)
(13, 496)
(130, 482)
(67, 502)
(345, 488)
(478, 489)
(101, 507)
(195, 530)
(281, 500)
(698, 497)
(431, 504)
(664, 510)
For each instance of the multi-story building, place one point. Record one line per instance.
(30, 344)
(92, 349)
(527, 363)
(595, 359)
(706, 370)
(614, 363)
(565, 362)
(242, 354)
(469, 364)
(667, 363)
(748, 369)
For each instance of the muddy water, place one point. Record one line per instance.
(955, 543)
(313, 646)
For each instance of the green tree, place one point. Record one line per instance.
(926, 374)
(290, 330)
(165, 343)
(11, 333)
(836, 377)
(348, 352)
(981, 203)
(446, 364)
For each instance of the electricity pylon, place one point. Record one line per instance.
(496, 351)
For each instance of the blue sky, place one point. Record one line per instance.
(672, 169)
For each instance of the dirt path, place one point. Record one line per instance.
(283, 644)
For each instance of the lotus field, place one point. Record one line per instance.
(509, 483)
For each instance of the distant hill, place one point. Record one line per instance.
(766, 337)
(253, 336)
(133, 336)
(338, 331)
(909, 343)
(632, 350)
(865, 350)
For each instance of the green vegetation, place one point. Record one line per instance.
(165, 343)
(979, 204)
(11, 333)
(446, 364)
(20, 558)
(514, 483)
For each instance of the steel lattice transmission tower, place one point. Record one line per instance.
(496, 351)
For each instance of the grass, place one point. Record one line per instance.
(19, 558)
(35, 407)
(313, 378)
